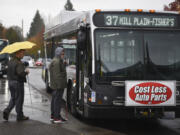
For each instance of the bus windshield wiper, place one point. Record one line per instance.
(147, 57)
(149, 62)
(101, 63)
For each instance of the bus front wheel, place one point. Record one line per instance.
(73, 102)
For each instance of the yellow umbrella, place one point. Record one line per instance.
(17, 46)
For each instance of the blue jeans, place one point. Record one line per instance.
(56, 103)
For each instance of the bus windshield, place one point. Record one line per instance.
(137, 54)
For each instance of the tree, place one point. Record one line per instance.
(2, 29)
(12, 35)
(18, 31)
(38, 40)
(69, 6)
(173, 6)
(36, 26)
(36, 35)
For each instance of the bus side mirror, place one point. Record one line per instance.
(81, 39)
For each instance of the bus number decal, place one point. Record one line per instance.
(109, 20)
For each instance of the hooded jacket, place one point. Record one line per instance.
(58, 75)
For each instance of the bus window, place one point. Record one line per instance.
(118, 51)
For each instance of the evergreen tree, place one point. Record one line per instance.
(19, 32)
(69, 6)
(1, 31)
(36, 26)
(12, 35)
(35, 34)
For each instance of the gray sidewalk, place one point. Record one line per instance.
(37, 107)
(30, 127)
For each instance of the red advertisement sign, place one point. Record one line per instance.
(150, 93)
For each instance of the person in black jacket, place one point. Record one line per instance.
(16, 75)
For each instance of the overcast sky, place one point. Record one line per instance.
(12, 12)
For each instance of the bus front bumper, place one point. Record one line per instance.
(114, 112)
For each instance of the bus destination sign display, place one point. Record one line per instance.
(136, 20)
(144, 21)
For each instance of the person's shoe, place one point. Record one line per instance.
(52, 118)
(57, 121)
(22, 118)
(64, 119)
(5, 115)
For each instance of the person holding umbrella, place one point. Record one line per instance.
(16, 75)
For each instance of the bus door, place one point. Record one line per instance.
(84, 67)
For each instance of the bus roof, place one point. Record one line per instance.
(69, 21)
(67, 26)
(135, 10)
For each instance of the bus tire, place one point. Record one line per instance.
(73, 102)
(69, 86)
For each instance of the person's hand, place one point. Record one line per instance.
(27, 70)
(65, 62)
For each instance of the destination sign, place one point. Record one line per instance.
(134, 20)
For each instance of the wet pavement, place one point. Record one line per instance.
(37, 106)
(31, 127)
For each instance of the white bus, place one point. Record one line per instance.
(127, 63)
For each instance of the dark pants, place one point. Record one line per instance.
(56, 103)
(17, 97)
